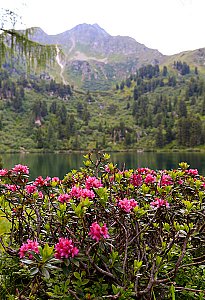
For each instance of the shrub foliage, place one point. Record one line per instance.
(101, 232)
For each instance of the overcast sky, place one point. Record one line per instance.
(171, 26)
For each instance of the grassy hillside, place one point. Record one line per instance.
(195, 58)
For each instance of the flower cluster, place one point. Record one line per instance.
(64, 198)
(12, 187)
(165, 180)
(150, 179)
(145, 171)
(65, 249)
(17, 169)
(55, 179)
(97, 232)
(192, 172)
(79, 192)
(30, 189)
(26, 249)
(39, 181)
(136, 179)
(159, 202)
(3, 172)
(127, 204)
(92, 182)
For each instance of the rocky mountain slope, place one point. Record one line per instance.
(91, 58)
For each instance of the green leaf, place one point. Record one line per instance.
(51, 267)
(47, 252)
(85, 281)
(115, 289)
(184, 165)
(77, 275)
(27, 261)
(106, 156)
(62, 207)
(34, 271)
(166, 227)
(76, 262)
(55, 261)
(45, 273)
(87, 163)
(172, 290)
(40, 250)
(137, 265)
(145, 189)
(158, 260)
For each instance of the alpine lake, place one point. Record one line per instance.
(53, 164)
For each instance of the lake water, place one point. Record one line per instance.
(59, 164)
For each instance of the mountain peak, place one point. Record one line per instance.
(92, 30)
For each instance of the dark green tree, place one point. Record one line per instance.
(159, 138)
(164, 71)
(182, 109)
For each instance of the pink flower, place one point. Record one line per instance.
(64, 198)
(136, 179)
(56, 180)
(192, 172)
(149, 179)
(165, 180)
(96, 232)
(40, 195)
(11, 187)
(3, 172)
(104, 231)
(20, 169)
(107, 169)
(30, 189)
(85, 193)
(78, 192)
(143, 170)
(39, 181)
(159, 202)
(92, 182)
(127, 204)
(27, 247)
(65, 249)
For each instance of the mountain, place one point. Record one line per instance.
(195, 58)
(92, 59)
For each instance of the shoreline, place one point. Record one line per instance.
(138, 150)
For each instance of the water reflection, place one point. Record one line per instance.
(60, 164)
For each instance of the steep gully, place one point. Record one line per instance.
(58, 59)
(60, 64)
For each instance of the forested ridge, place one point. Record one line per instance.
(157, 107)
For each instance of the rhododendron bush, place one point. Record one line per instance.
(101, 232)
